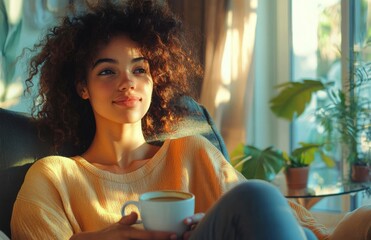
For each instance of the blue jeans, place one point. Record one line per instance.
(251, 210)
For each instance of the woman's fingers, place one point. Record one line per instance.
(192, 222)
(129, 219)
(187, 235)
(194, 219)
(143, 234)
(134, 233)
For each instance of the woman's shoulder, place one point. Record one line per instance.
(195, 140)
(52, 164)
(197, 145)
(54, 160)
(47, 173)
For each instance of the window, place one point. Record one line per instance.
(328, 36)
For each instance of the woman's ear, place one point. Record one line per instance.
(82, 90)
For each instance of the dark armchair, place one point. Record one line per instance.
(20, 146)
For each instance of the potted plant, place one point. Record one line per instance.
(298, 162)
(345, 118)
(361, 169)
(346, 121)
(265, 164)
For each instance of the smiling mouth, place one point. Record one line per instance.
(128, 101)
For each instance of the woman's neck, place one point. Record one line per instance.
(119, 148)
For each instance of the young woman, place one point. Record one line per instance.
(113, 71)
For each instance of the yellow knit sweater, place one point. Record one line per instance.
(62, 196)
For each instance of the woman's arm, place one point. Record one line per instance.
(123, 230)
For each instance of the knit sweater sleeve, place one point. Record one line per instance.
(306, 219)
(228, 177)
(38, 211)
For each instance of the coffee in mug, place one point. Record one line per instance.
(165, 199)
(164, 210)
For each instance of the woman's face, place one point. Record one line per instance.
(119, 85)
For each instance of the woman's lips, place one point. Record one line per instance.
(127, 101)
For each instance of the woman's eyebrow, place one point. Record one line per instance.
(103, 60)
(138, 59)
(110, 60)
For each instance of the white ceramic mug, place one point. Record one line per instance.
(164, 210)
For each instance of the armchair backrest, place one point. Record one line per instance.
(20, 146)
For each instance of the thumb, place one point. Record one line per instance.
(129, 219)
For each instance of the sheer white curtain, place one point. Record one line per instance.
(22, 23)
(227, 91)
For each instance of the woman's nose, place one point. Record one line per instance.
(126, 85)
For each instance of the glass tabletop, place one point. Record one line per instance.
(339, 188)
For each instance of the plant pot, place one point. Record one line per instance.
(361, 173)
(297, 178)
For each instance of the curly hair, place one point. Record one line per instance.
(67, 50)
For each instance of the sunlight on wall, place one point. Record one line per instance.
(10, 92)
(2, 76)
(14, 9)
(25, 23)
(15, 89)
(2, 87)
(23, 162)
(248, 36)
(237, 52)
(223, 93)
(13, 92)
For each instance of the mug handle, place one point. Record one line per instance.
(136, 203)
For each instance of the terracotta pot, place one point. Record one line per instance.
(361, 173)
(297, 178)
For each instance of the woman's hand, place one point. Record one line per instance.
(192, 222)
(124, 230)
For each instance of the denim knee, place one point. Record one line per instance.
(255, 191)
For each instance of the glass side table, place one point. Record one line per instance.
(311, 195)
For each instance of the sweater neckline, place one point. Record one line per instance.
(126, 177)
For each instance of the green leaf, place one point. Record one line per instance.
(237, 154)
(305, 155)
(327, 160)
(294, 97)
(257, 164)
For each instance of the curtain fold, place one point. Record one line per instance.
(227, 91)
(22, 23)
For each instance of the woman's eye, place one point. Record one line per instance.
(106, 72)
(139, 71)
